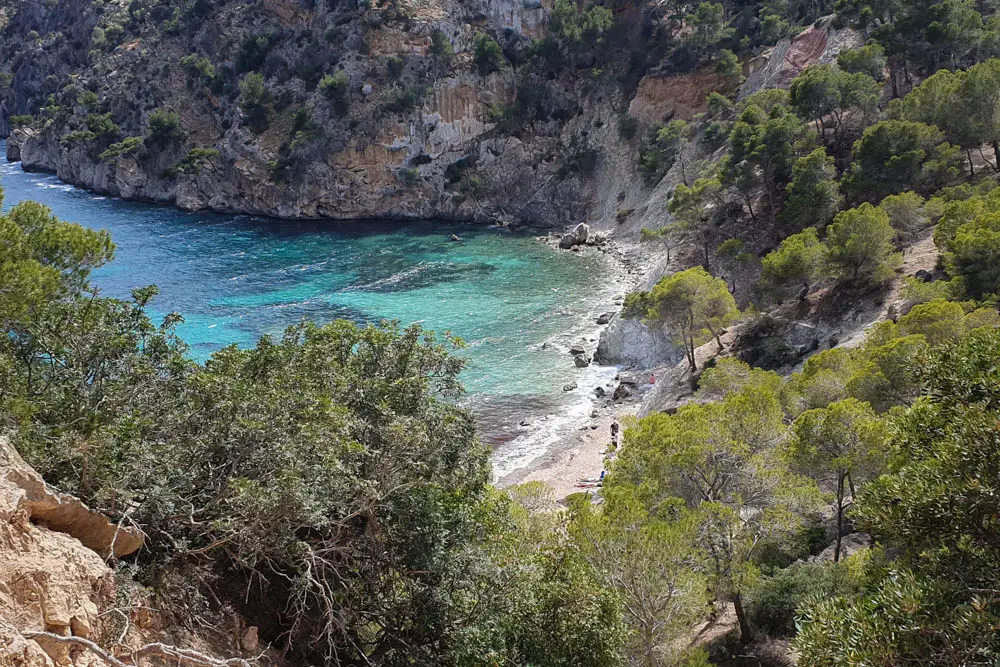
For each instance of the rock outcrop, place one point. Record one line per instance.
(49, 580)
(634, 344)
(26, 492)
(414, 139)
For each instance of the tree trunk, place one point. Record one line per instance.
(996, 153)
(840, 516)
(746, 632)
(972, 165)
(850, 485)
(715, 334)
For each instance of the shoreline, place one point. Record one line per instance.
(580, 452)
(575, 448)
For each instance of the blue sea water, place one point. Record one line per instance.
(517, 303)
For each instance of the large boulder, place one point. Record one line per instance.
(622, 392)
(634, 344)
(576, 236)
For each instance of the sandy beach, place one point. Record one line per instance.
(578, 456)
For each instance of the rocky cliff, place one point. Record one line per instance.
(365, 110)
(52, 575)
(455, 109)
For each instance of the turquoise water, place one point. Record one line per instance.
(517, 303)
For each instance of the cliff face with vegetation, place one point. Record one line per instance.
(305, 109)
(493, 110)
(822, 234)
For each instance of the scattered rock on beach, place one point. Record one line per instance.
(569, 387)
(604, 318)
(581, 360)
(622, 391)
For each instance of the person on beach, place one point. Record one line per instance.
(615, 428)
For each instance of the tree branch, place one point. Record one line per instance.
(180, 656)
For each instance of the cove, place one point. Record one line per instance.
(517, 303)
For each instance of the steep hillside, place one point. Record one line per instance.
(492, 110)
(359, 111)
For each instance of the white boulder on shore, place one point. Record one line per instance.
(579, 235)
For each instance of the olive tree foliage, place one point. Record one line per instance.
(324, 485)
(652, 564)
(936, 603)
(536, 599)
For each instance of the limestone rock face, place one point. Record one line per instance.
(49, 581)
(632, 343)
(419, 143)
(26, 492)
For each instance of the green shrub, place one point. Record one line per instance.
(441, 47)
(487, 54)
(254, 97)
(637, 305)
(497, 112)
(128, 146)
(77, 137)
(394, 66)
(409, 176)
(88, 99)
(193, 162)
(198, 67)
(627, 126)
(164, 128)
(399, 100)
(21, 121)
(335, 87)
(252, 53)
(102, 127)
(772, 604)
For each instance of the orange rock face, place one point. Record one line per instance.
(674, 97)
